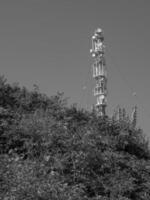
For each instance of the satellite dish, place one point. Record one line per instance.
(99, 30)
(93, 37)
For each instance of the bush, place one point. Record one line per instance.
(52, 151)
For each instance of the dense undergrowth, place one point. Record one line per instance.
(52, 151)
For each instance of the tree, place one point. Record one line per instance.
(50, 150)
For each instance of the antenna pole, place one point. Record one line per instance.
(99, 72)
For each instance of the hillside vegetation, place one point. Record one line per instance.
(52, 151)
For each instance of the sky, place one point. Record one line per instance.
(47, 42)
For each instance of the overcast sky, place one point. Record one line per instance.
(47, 42)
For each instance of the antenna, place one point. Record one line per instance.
(134, 117)
(99, 71)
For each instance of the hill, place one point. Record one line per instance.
(52, 151)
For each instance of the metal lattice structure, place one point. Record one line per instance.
(99, 71)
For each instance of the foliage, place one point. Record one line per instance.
(52, 151)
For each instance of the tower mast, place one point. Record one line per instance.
(99, 72)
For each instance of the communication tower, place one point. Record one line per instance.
(99, 72)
